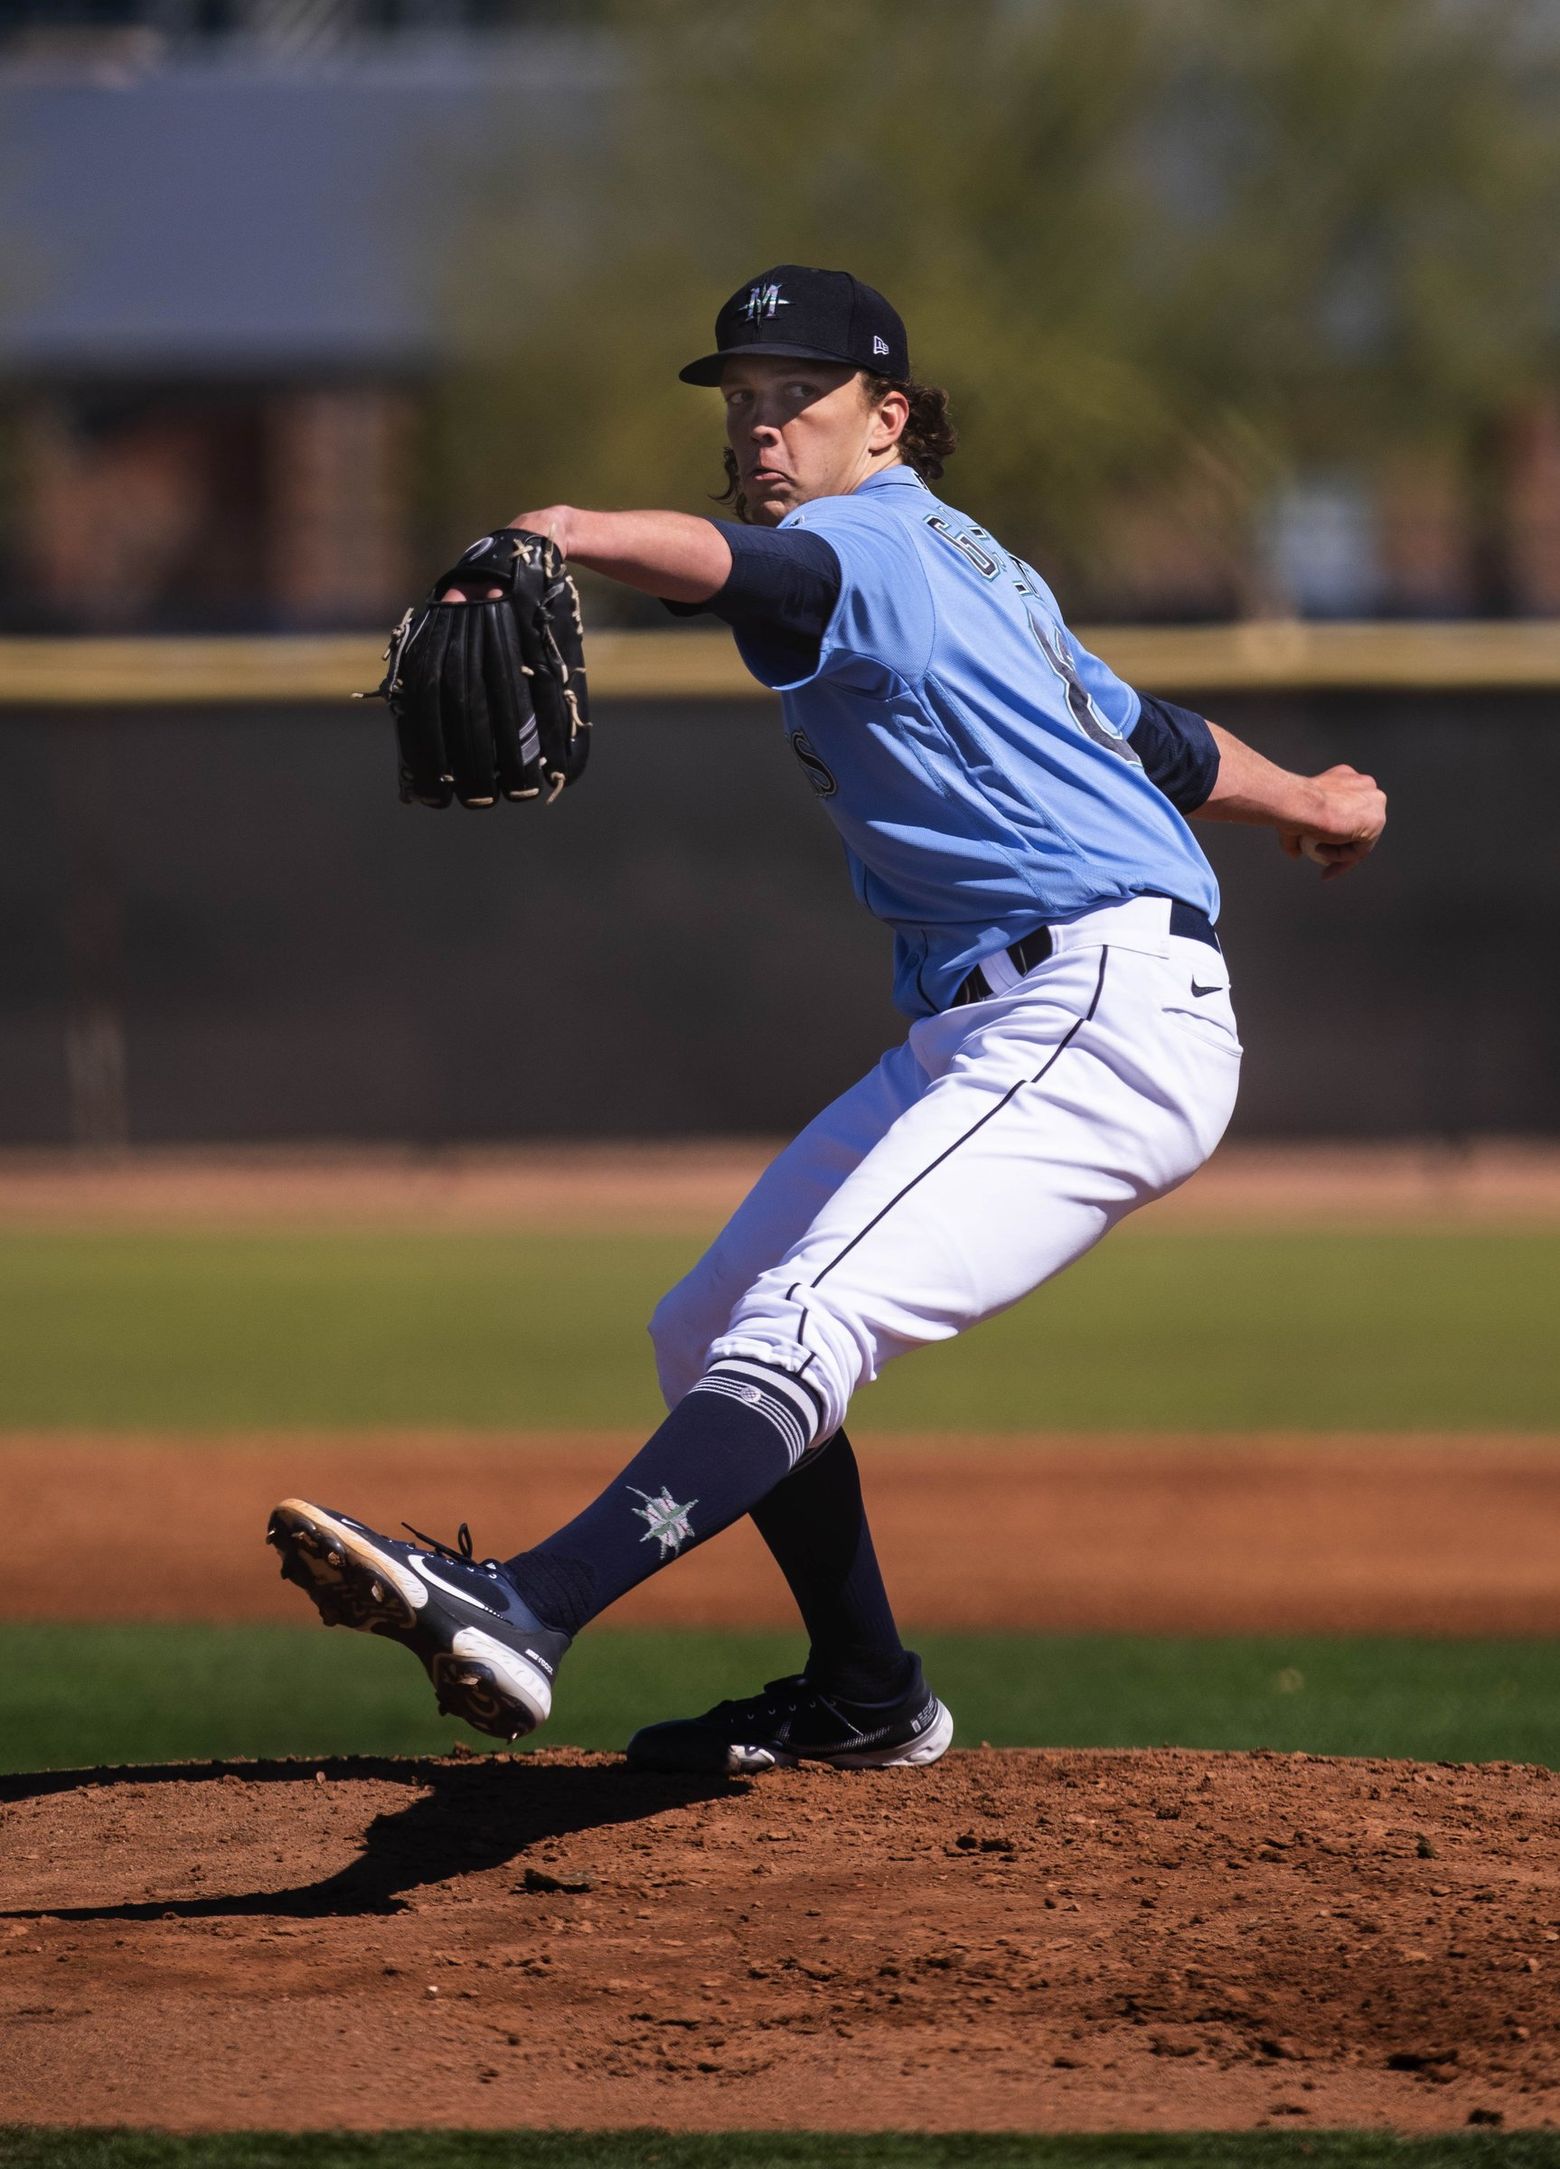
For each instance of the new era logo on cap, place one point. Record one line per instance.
(828, 316)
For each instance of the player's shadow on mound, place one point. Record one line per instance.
(473, 1817)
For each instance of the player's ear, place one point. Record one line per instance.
(890, 413)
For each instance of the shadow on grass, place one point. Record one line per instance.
(468, 1817)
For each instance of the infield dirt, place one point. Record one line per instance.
(1020, 1940)
(693, 1185)
(1154, 1535)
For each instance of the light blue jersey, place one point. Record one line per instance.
(972, 755)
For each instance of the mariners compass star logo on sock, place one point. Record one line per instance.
(667, 1520)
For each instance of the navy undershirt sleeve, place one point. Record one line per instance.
(1177, 750)
(780, 593)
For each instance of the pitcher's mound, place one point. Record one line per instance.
(1038, 1940)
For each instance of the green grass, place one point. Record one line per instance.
(72, 1696)
(1221, 1332)
(751, 2150)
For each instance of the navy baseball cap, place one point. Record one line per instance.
(811, 316)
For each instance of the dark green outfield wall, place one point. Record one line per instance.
(289, 954)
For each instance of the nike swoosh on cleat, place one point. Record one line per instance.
(435, 1579)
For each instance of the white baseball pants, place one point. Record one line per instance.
(987, 1152)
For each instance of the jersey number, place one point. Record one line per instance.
(1085, 712)
(968, 544)
(971, 546)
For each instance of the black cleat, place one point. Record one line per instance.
(491, 1660)
(792, 1721)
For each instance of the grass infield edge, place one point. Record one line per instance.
(36, 2147)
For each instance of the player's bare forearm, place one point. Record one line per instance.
(1249, 787)
(1334, 818)
(671, 554)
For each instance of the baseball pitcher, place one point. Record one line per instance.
(1019, 817)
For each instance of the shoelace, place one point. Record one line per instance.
(780, 1698)
(464, 1555)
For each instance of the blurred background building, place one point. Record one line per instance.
(1246, 309)
(1248, 314)
(218, 319)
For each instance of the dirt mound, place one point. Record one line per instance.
(1037, 1940)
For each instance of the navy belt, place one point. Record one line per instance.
(1185, 920)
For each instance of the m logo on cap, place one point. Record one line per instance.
(806, 314)
(763, 301)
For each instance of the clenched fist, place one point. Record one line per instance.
(1344, 819)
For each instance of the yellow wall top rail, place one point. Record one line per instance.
(1263, 656)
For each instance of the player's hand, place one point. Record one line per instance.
(1344, 821)
(552, 523)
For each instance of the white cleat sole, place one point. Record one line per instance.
(932, 1745)
(477, 1664)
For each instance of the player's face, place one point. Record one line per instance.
(799, 430)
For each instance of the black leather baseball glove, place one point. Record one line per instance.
(489, 697)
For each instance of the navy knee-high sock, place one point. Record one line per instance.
(723, 1447)
(815, 1524)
